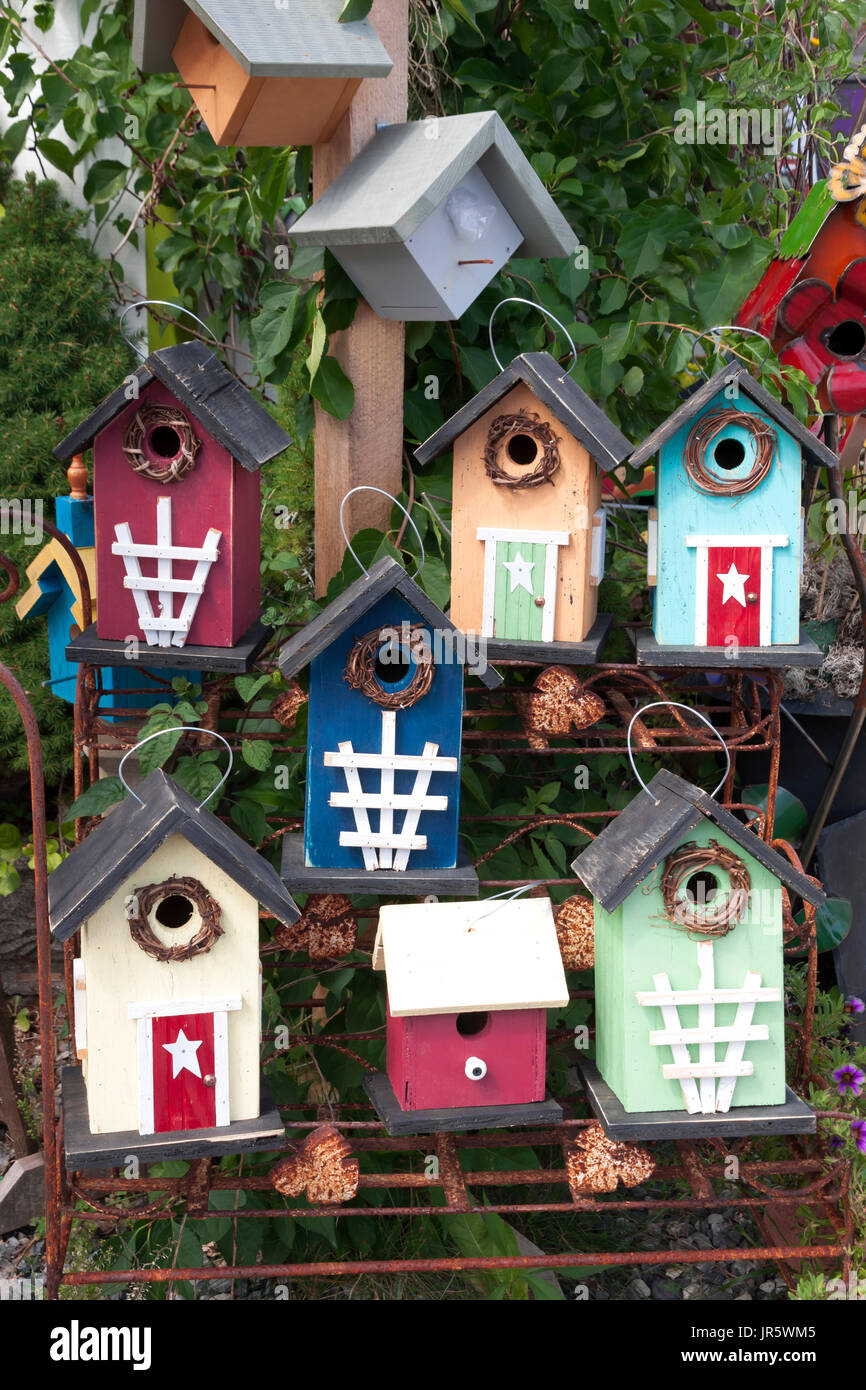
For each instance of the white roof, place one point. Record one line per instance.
(470, 957)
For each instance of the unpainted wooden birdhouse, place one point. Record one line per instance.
(726, 541)
(468, 989)
(811, 300)
(177, 450)
(165, 899)
(383, 743)
(690, 1029)
(528, 527)
(261, 72)
(429, 212)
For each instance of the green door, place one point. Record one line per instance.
(518, 605)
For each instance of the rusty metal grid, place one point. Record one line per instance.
(748, 720)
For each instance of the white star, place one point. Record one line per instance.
(733, 585)
(520, 571)
(184, 1054)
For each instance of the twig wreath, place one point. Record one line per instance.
(704, 919)
(360, 673)
(152, 417)
(705, 432)
(503, 428)
(145, 899)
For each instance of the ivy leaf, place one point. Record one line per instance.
(198, 778)
(833, 923)
(256, 753)
(333, 389)
(354, 10)
(248, 687)
(104, 793)
(250, 819)
(158, 751)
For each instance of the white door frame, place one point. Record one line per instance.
(144, 1013)
(703, 545)
(551, 540)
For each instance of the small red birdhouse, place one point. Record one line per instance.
(468, 987)
(176, 454)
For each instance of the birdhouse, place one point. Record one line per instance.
(528, 527)
(726, 547)
(383, 745)
(430, 211)
(811, 300)
(261, 73)
(176, 453)
(690, 1032)
(167, 983)
(54, 592)
(468, 987)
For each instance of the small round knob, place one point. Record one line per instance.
(539, 603)
(751, 598)
(209, 1080)
(475, 1068)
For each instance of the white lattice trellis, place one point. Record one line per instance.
(387, 847)
(699, 1079)
(163, 629)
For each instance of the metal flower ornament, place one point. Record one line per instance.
(829, 342)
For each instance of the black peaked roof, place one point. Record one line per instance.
(644, 833)
(125, 841)
(812, 448)
(386, 576)
(216, 398)
(555, 389)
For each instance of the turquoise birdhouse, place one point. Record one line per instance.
(690, 1030)
(725, 540)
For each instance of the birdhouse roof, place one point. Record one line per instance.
(406, 171)
(213, 394)
(813, 450)
(125, 841)
(556, 390)
(386, 576)
(297, 38)
(652, 825)
(443, 958)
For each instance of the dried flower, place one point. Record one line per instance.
(850, 1078)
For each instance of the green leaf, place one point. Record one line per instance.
(250, 818)
(10, 841)
(317, 346)
(833, 922)
(791, 815)
(10, 879)
(632, 381)
(612, 295)
(105, 179)
(104, 793)
(197, 777)
(248, 687)
(58, 154)
(157, 751)
(333, 389)
(354, 10)
(256, 753)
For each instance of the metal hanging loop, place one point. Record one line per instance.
(720, 328)
(167, 304)
(367, 487)
(674, 704)
(516, 299)
(160, 733)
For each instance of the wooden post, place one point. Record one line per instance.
(368, 446)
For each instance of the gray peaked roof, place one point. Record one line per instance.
(125, 841)
(385, 577)
(640, 836)
(555, 389)
(403, 174)
(812, 448)
(211, 393)
(297, 38)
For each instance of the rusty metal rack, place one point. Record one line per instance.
(745, 708)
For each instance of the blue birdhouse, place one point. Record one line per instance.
(384, 738)
(726, 535)
(54, 593)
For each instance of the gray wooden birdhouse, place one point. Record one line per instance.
(261, 72)
(165, 900)
(429, 211)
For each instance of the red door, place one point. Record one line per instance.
(184, 1091)
(734, 595)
